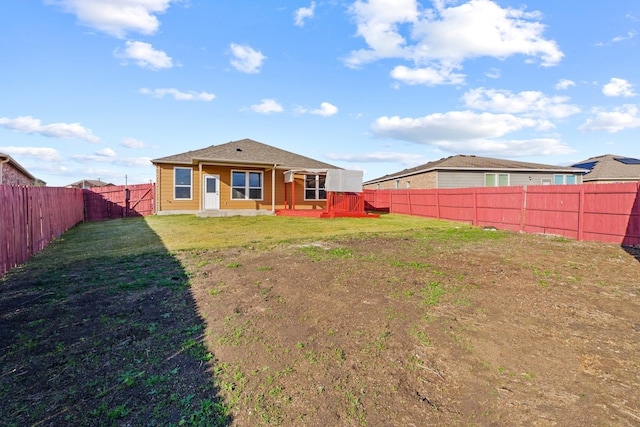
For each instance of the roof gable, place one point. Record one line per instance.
(470, 163)
(245, 152)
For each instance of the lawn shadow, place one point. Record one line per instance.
(631, 241)
(100, 328)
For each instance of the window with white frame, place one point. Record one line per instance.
(496, 179)
(564, 179)
(246, 185)
(182, 179)
(314, 187)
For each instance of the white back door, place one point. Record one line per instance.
(211, 192)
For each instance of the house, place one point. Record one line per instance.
(12, 173)
(462, 171)
(243, 177)
(88, 184)
(610, 168)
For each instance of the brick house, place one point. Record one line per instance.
(12, 173)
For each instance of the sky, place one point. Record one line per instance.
(95, 89)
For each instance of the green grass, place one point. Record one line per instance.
(180, 232)
(128, 344)
(121, 343)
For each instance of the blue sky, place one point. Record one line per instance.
(96, 88)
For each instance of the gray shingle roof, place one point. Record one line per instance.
(610, 167)
(246, 152)
(469, 162)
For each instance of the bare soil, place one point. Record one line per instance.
(419, 331)
(428, 327)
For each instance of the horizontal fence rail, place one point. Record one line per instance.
(608, 213)
(33, 216)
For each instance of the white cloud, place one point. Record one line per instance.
(618, 87)
(326, 109)
(630, 34)
(246, 59)
(466, 131)
(133, 143)
(493, 73)
(526, 103)
(379, 157)
(450, 125)
(303, 13)
(617, 39)
(439, 40)
(116, 17)
(113, 160)
(179, 95)
(106, 152)
(267, 106)
(39, 153)
(28, 124)
(564, 84)
(145, 55)
(620, 118)
(427, 76)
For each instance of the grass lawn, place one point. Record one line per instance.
(242, 321)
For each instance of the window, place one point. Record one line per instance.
(397, 184)
(564, 179)
(314, 187)
(496, 179)
(246, 185)
(182, 183)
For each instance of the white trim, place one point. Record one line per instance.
(190, 186)
(247, 187)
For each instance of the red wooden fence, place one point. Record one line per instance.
(30, 217)
(119, 201)
(607, 213)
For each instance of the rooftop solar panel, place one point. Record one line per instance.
(628, 160)
(587, 165)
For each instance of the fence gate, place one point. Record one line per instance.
(119, 201)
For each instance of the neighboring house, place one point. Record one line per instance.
(463, 171)
(242, 177)
(88, 184)
(12, 173)
(610, 168)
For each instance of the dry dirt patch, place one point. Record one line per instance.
(462, 328)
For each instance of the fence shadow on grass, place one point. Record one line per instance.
(631, 240)
(100, 328)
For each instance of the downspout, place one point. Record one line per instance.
(273, 188)
(1, 168)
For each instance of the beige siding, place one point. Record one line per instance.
(166, 201)
(461, 179)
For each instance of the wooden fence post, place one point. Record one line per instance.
(523, 217)
(581, 214)
(475, 206)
